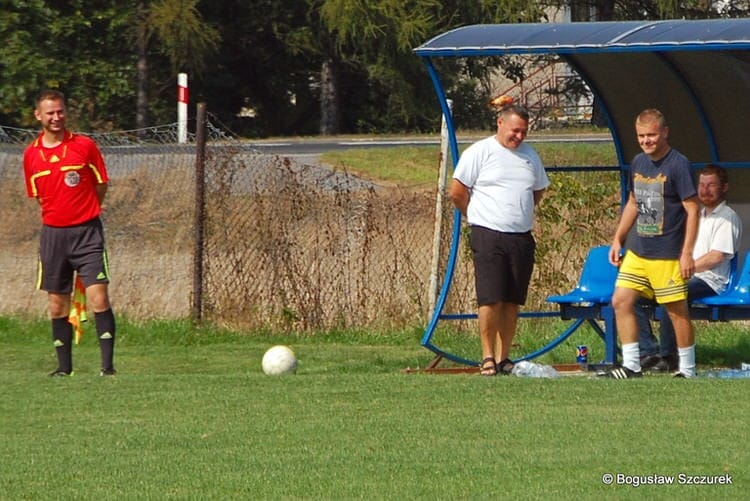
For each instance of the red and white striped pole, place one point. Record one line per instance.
(182, 107)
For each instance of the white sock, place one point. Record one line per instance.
(687, 360)
(631, 357)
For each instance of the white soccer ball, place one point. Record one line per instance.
(279, 360)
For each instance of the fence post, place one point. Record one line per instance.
(199, 223)
(442, 171)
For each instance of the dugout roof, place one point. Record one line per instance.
(696, 71)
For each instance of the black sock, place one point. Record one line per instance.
(62, 338)
(105, 331)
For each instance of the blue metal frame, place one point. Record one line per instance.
(633, 36)
(437, 314)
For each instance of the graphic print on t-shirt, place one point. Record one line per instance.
(649, 197)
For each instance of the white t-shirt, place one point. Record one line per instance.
(721, 231)
(502, 183)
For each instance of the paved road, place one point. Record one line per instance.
(308, 150)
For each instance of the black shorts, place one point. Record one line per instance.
(74, 248)
(503, 263)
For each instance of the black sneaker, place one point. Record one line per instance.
(107, 372)
(670, 363)
(622, 373)
(60, 373)
(650, 361)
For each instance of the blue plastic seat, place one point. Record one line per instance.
(738, 291)
(597, 282)
(590, 300)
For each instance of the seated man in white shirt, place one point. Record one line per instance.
(719, 235)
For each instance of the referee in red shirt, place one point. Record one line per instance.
(65, 172)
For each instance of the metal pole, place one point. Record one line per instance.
(199, 223)
(182, 107)
(442, 171)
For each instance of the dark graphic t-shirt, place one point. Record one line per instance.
(659, 189)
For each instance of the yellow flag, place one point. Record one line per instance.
(78, 309)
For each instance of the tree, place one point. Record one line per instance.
(268, 67)
(614, 10)
(140, 39)
(76, 46)
(18, 29)
(470, 81)
(98, 52)
(376, 39)
(175, 30)
(184, 38)
(260, 84)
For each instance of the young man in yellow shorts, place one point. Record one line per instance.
(663, 206)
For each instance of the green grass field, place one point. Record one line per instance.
(191, 416)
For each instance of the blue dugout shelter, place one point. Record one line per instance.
(695, 71)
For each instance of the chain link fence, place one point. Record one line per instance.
(148, 226)
(287, 246)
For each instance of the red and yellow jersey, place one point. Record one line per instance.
(65, 178)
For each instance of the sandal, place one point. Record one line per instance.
(505, 367)
(487, 367)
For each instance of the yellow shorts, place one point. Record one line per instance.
(658, 279)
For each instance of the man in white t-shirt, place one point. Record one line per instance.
(496, 185)
(718, 240)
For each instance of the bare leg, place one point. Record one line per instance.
(683, 328)
(98, 297)
(507, 322)
(59, 305)
(623, 302)
(489, 328)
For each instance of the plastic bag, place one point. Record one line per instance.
(729, 374)
(525, 368)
